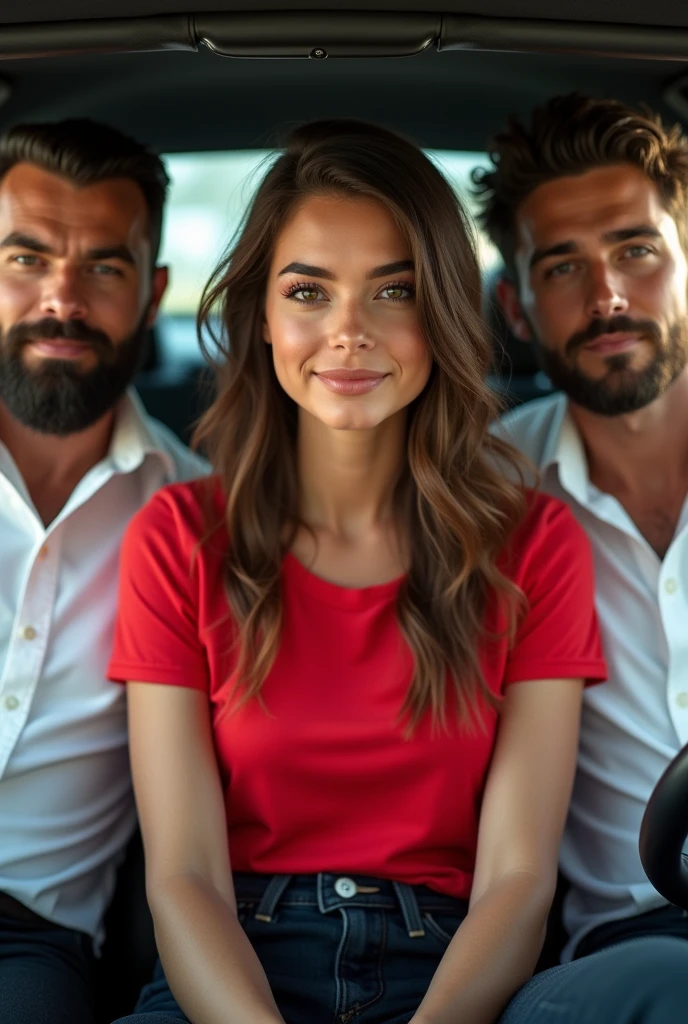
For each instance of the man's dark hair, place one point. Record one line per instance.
(86, 152)
(570, 135)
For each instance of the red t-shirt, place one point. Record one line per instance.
(322, 778)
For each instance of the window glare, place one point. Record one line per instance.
(209, 195)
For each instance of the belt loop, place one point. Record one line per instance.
(271, 897)
(409, 910)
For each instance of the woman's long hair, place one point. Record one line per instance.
(455, 503)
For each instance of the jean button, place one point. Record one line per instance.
(346, 888)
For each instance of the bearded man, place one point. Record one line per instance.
(80, 221)
(588, 204)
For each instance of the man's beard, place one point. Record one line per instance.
(56, 396)
(621, 389)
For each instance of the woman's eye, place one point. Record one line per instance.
(397, 292)
(307, 294)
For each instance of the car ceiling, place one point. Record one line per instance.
(454, 99)
(639, 12)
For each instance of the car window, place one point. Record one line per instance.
(209, 195)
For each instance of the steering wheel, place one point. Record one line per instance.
(664, 830)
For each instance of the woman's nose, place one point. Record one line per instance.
(350, 331)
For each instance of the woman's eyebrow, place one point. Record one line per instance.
(308, 271)
(391, 268)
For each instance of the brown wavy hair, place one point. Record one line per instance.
(454, 505)
(570, 135)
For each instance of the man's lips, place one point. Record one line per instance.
(612, 344)
(59, 348)
(351, 382)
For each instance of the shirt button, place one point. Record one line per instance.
(11, 703)
(43, 553)
(682, 699)
(346, 888)
(29, 633)
(670, 585)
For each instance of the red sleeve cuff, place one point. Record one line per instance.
(192, 678)
(591, 671)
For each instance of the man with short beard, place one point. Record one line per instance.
(80, 221)
(588, 204)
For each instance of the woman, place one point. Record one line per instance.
(338, 618)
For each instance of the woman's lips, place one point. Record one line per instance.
(612, 344)
(351, 382)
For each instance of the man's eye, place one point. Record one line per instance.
(560, 270)
(25, 259)
(106, 270)
(635, 252)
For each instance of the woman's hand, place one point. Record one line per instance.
(209, 963)
(524, 808)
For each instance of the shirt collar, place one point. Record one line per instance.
(133, 437)
(564, 453)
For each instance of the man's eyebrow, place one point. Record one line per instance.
(391, 268)
(610, 237)
(637, 231)
(561, 249)
(112, 252)
(20, 241)
(307, 270)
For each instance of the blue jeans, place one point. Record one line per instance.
(45, 973)
(633, 971)
(334, 947)
(353, 959)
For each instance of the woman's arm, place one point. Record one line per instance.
(210, 965)
(523, 813)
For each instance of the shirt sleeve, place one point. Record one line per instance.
(558, 635)
(156, 630)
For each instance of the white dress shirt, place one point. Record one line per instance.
(636, 722)
(66, 805)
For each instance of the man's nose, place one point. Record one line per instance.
(63, 296)
(606, 297)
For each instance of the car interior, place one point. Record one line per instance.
(214, 84)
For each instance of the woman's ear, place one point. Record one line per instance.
(507, 296)
(267, 338)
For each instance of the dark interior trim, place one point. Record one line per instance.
(530, 35)
(116, 35)
(252, 34)
(320, 34)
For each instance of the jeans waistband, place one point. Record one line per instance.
(16, 911)
(330, 892)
